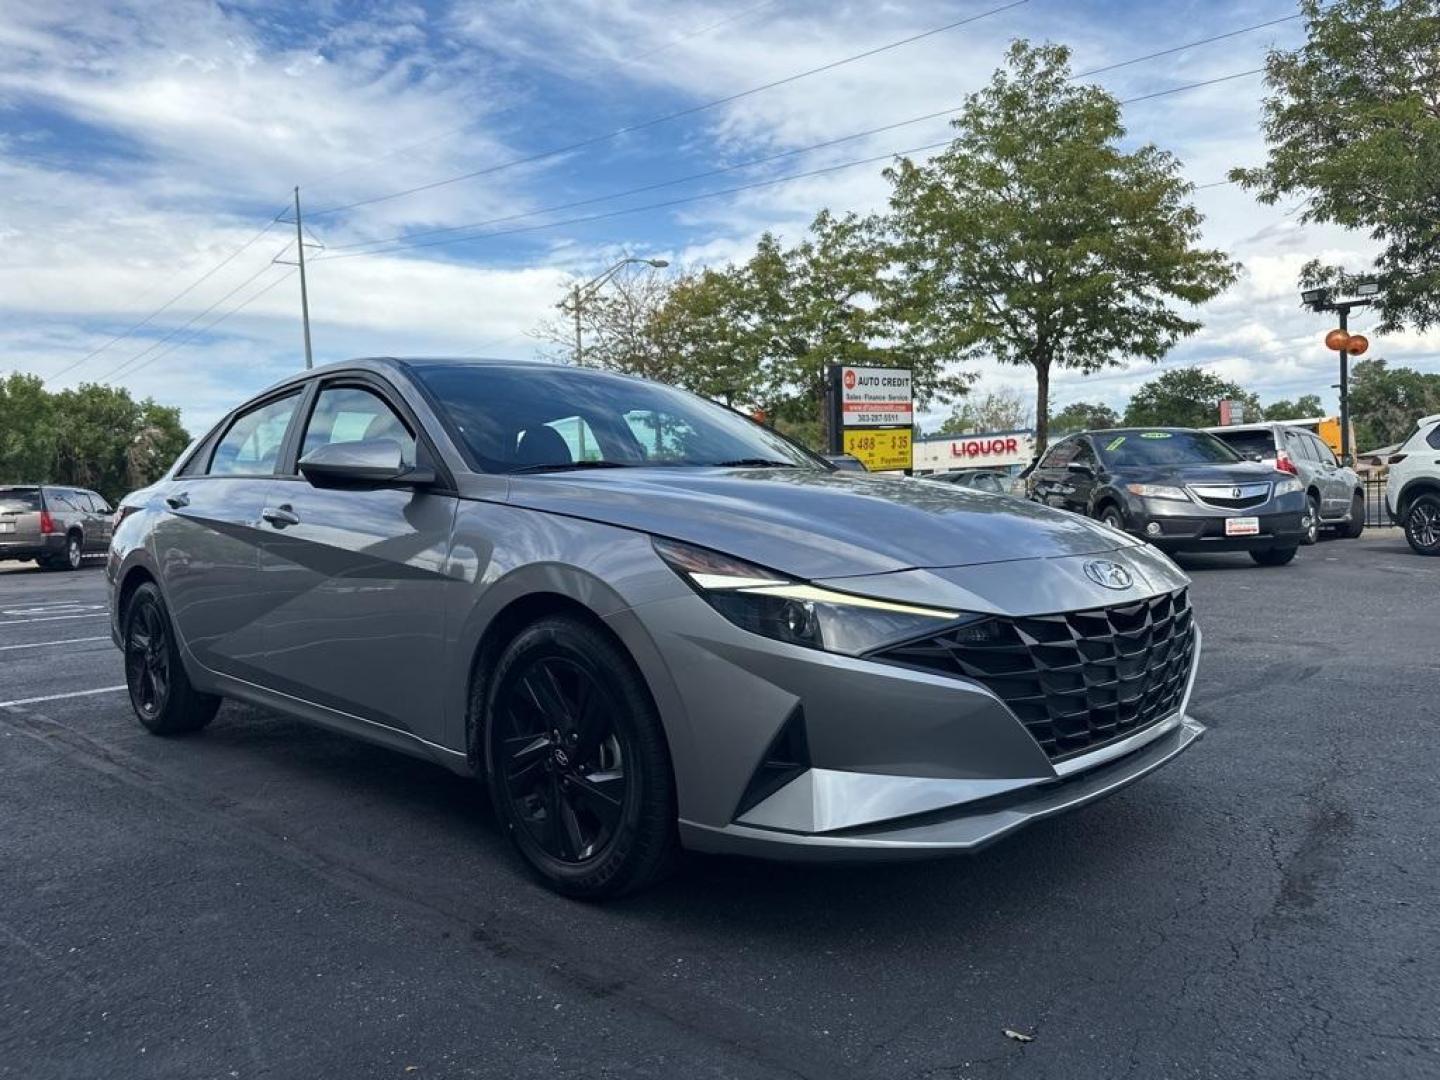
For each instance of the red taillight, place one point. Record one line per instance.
(47, 523)
(1395, 459)
(1284, 464)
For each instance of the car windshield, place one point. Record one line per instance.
(19, 499)
(539, 418)
(1159, 447)
(1257, 441)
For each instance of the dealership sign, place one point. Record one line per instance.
(871, 415)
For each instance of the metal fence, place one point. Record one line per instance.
(1375, 512)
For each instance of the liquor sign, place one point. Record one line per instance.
(872, 415)
(982, 450)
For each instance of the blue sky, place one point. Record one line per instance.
(141, 143)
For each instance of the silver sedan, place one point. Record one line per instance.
(645, 621)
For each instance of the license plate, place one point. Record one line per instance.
(7, 526)
(1242, 526)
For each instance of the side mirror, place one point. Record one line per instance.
(369, 463)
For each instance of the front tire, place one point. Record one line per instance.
(160, 691)
(1110, 515)
(1274, 556)
(1356, 524)
(576, 760)
(1422, 525)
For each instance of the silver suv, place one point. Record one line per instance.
(1334, 495)
(55, 526)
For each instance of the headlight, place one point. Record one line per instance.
(1289, 486)
(795, 612)
(1157, 491)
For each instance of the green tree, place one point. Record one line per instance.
(997, 410)
(1307, 406)
(1084, 416)
(1186, 397)
(707, 327)
(1353, 126)
(27, 430)
(1385, 402)
(1036, 239)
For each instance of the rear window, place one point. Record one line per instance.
(1122, 448)
(1249, 442)
(19, 499)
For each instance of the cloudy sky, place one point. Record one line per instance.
(145, 145)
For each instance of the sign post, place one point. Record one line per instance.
(872, 415)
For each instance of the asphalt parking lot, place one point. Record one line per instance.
(266, 899)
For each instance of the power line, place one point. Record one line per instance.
(180, 329)
(1188, 45)
(172, 301)
(692, 110)
(214, 322)
(666, 204)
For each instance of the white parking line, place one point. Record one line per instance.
(52, 609)
(43, 644)
(54, 618)
(58, 697)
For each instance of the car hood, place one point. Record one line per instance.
(815, 524)
(1245, 472)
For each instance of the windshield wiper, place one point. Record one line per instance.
(754, 463)
(556, 466)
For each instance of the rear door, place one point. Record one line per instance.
(356, 578)
(103, 520)
(207, 542)
(1336, 488)
(1051, 478)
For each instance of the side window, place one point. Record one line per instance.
(1323, 453)
(1084, 454)
(344, 414)
(1298, 446)
(1059, 455)
(1434, 437)
(101, 506)
(251, 446)
(62, 501)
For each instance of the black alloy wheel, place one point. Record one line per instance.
(1422, 525)
(1311, 521)
(160, 691)
(147, 659)
(576, 760)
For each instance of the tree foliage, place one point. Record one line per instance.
(1385, 402)
(1084, 416)
(94, 436)
(997, 410)
(1307, 406)
(1353, 126)
(1034, 238)
(1186, 397)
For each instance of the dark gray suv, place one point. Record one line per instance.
(55, 526)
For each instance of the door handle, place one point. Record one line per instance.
(280, 516)
(178, 502)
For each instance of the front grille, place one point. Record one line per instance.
(1076, 680)
(1228, 497)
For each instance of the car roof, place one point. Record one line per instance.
(381, 364)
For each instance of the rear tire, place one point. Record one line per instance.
(1356, 524)
(1422, 524)
(160, 691)
(1274, 556)
(576, 760)
(1311, 524)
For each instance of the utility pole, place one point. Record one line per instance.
(581, 293)
(1344, 311)
(304, 295)
(579, 341)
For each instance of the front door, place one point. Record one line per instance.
(207, 542)
(356, 578)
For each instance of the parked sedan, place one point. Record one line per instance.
(646, 621)
(1181, 490)
(976, 479)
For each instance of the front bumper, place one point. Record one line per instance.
(898, 760)
(1173, 525)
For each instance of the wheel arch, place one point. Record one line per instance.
(133, 578)
(1413, 489)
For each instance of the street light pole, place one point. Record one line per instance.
(581, 293)
(1318, 300)
(304, 294)
(1344, 312)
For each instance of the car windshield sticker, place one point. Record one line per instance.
(1115, 443)
(1154, 435)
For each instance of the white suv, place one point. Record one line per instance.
(1412, 494)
